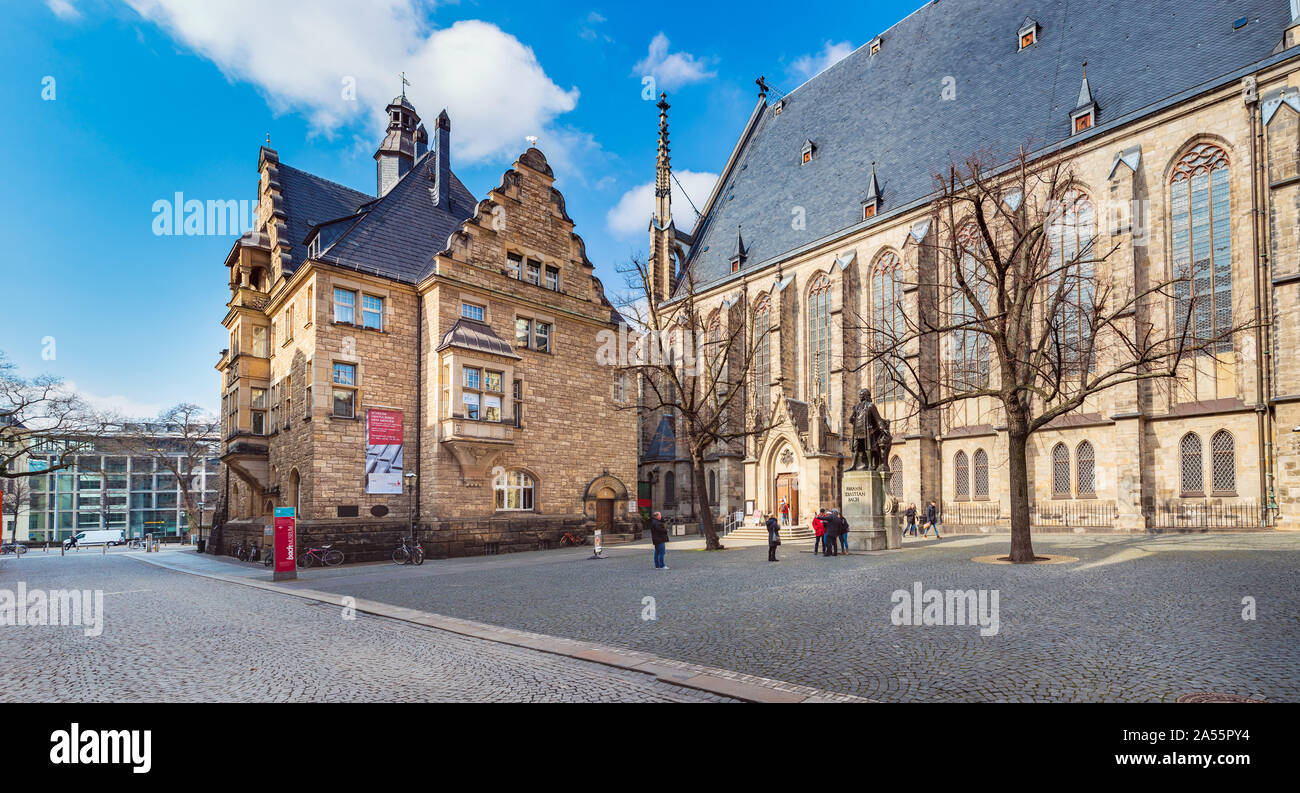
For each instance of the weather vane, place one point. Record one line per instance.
(405, 82)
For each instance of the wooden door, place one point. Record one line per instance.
(605, 515)
(787, 491)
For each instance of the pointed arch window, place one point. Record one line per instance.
(762, 348)
(1191, 465)
(1202, 248)
(670, 489)
(1072, 283)
(1085, 470)
(896, 476)
(887, 314)
(819, 336)
(1223, 462)
(1060, 471)
(981, 465)
(969, 347)
(961, 475)
(713, 487)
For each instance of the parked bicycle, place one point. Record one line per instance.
(268, 558)
(15, 548)
(243, 551)
(409, 552)
(569, 538)
(135, 544)
(326, 555)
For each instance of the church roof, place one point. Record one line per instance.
(890, 107)
(397, 236)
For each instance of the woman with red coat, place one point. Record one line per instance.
(819, 530)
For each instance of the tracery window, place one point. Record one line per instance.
(887, 314)
(1202, 247)
(819, 336)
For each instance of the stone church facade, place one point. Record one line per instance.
(420, 357)
(823, 213)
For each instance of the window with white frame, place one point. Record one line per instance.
(258, 412)
(533, 334)
(472, 311)
(514, 491)
(553, 278)
(345, 306)
(261, 344)
(372, 312)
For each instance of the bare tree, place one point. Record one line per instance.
(694, 364)
(1023, 307)
(17, 498)
(179, 441)
(40, 416)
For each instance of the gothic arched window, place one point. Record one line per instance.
(713, 487)
(1202, 247)
(1223, 462)
(896, 480)
(887, 315)
(819, 336)
(1060, 471)
(961, 475)
(762, 348)
(970, 347)
(981, 465)
(1085, 467)
(1192, 468)
(670, 489)
(1072, 284)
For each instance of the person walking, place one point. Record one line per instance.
(659, 536)
(931, 521)
(911, 519)
(819, 529)
(773, 538)
(843, 532)
(785, 512)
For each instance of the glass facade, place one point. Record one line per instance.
(113, 492)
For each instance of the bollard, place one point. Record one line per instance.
(103, 549)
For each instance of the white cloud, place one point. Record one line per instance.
(630, 217)
(300, 52)
(673, 70)
(806, 66)
(117, 404)
(63, 9)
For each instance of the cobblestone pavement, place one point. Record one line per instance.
(1137, 618)
(171, 637)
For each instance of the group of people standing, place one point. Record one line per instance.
(830, 529)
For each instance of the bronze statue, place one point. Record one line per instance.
(871, 438)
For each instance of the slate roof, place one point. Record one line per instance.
(398, 235)
(476, 336)
(888, 107)
(309, 199)
(663, 446)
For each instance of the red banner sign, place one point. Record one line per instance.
(384, 427)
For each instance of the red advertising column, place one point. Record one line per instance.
(286, 544)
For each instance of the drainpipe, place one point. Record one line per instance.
(419, 409)
(1263, 313)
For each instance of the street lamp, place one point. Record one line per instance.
(410, 492)
(202, 506)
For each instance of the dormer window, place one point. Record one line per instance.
(807, 154)
(868, 211)
(1028, 33)
(313, 248)
(1083, 120)
(874, 46)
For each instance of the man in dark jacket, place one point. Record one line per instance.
(659, 536)
(830, 534)
(931, 521)
(844, 531)
(773, 538)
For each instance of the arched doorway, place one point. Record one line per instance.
(605, 500)
(606, 491)
(784, 482)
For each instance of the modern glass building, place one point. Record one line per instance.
(110, 490)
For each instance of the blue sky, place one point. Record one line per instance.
(111, 106)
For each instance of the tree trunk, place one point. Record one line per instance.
(1022, 548)
(707, 526)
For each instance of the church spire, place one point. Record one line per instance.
(662, 272)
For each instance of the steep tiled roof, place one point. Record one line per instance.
(398, 235)
(309, 200)
(889, 108)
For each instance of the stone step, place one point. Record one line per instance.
(788, 533)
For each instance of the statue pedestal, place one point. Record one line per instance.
(868, 509)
